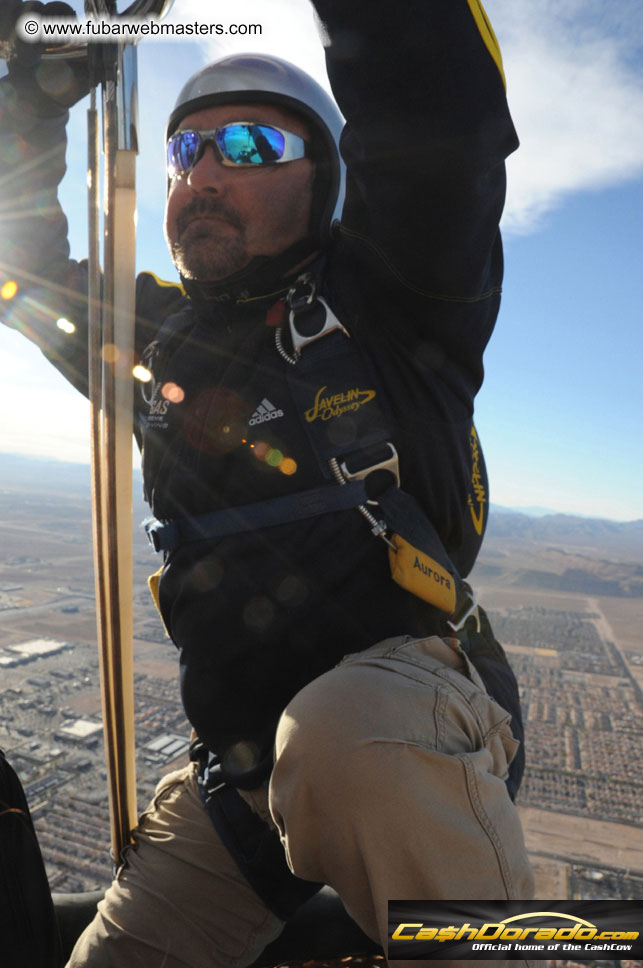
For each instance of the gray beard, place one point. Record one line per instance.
(207, 260)
(201, 255)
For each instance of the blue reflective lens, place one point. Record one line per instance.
(182, 150)
(239, 143)
(250, 144)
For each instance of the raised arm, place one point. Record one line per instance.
(42, 283)
(428, 129)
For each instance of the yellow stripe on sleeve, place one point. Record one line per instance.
(163, 283)
(487, 34)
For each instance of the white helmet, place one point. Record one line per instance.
(241, 78)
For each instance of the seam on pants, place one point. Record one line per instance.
(252, 941)
(472, 697)
(445, 683)
(162, 791)
(394, 741)
(439, 714)
(457, 679)
(486, 823)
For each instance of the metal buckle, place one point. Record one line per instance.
(152, 526)
(391, 463)
(331, 323)
(466, 608)
(301, 298)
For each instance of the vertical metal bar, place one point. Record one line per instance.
(115, 463)
(124, 322)
(95, 345)
(111, 353)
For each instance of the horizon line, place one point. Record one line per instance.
(514, 509)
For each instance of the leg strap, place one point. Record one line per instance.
(255, 846)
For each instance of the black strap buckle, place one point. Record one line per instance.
(158, 533)
(466, 608)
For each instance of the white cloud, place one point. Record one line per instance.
(575, 86)
(576, 94)
(573, 69)
(287, 29)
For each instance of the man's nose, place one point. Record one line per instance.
(208, 175)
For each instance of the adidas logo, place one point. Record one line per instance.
(264, 412)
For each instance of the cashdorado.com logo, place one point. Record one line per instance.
(515, 929)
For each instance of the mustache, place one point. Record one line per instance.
(207, 206)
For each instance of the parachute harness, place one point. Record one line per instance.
(337, 398)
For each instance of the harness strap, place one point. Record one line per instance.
(260, 514)
(254, 846)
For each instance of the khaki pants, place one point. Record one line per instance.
(388, 783)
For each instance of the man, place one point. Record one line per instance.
(330, 701)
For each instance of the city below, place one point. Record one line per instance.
(577, 653)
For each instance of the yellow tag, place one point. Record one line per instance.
(421, 575)
(153, 583)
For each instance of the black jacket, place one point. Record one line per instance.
(414, 272)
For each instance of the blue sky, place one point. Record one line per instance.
(560, 412)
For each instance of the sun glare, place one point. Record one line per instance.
(141, 373)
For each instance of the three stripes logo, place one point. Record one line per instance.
(265, 411)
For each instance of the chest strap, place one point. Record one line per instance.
(260, 514)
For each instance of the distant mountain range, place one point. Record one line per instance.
(532, 512)
(528, 524)
(554, 527)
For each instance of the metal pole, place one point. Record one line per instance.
(111, 344)
(99, 470)
(116, 457)
(111, 359)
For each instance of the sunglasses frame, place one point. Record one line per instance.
(294, 146)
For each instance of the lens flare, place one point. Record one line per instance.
(288, 466)
(241, 757)
(258, 613)
(261, 449)
(173, 392)
(9, 289)
(66, 325)
(274, 457)
(55, 78)
(141, 373)
(110, 352)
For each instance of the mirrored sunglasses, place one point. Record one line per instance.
(239, 143)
